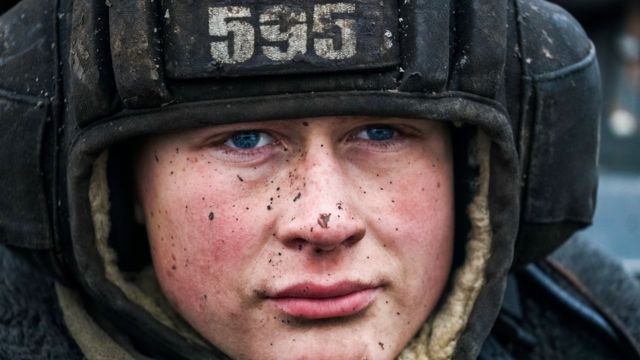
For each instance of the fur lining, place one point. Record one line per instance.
(152, 300)
(437, 339)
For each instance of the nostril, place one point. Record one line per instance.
(351, 240)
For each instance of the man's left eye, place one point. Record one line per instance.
(246, 140)
(377, 133)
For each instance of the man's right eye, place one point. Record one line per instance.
(246, 140)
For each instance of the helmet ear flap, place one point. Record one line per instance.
(24, 212)
(559, 197)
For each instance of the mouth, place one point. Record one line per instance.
(313, 301)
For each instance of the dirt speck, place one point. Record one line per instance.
(381, 345)
(211, 216)
(240, 178)
(297, 197)
(304, 123)
(323, 220)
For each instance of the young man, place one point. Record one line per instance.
(325, 180)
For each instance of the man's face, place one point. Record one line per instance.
(323, 238)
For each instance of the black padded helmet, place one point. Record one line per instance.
(79, 77)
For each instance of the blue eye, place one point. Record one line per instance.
(377, 133)
(248, 140)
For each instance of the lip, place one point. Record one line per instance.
(313, 301)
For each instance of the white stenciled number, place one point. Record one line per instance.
(282, 24)
(229, 22)
(324, 22)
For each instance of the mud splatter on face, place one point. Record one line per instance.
(211, 216)
(323, 220)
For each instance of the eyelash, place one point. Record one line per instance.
(381, 145)
(241, 155)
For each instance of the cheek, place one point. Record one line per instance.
(421, 228)
(202, 233)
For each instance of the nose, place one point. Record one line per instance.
(323, 218)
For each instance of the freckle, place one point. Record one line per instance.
(390, 182)
(422, 189)
(311, 230)
(173, 267)
(268, 207)
(279, 254)
(381, 188)
(278, 188)
(211, 216)
(171, 173)
(396, 229)
(177, 150)
(398, 313)
(438, 184)
(247, 208)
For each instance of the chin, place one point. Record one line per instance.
(319, 349)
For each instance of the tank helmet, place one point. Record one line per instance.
(79, 77)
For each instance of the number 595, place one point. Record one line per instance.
(236, 36)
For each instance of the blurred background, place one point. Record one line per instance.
(614, 26)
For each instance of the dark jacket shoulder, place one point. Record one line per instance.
(579, 303)
(31, 323)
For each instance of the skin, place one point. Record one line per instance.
(230, 227)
